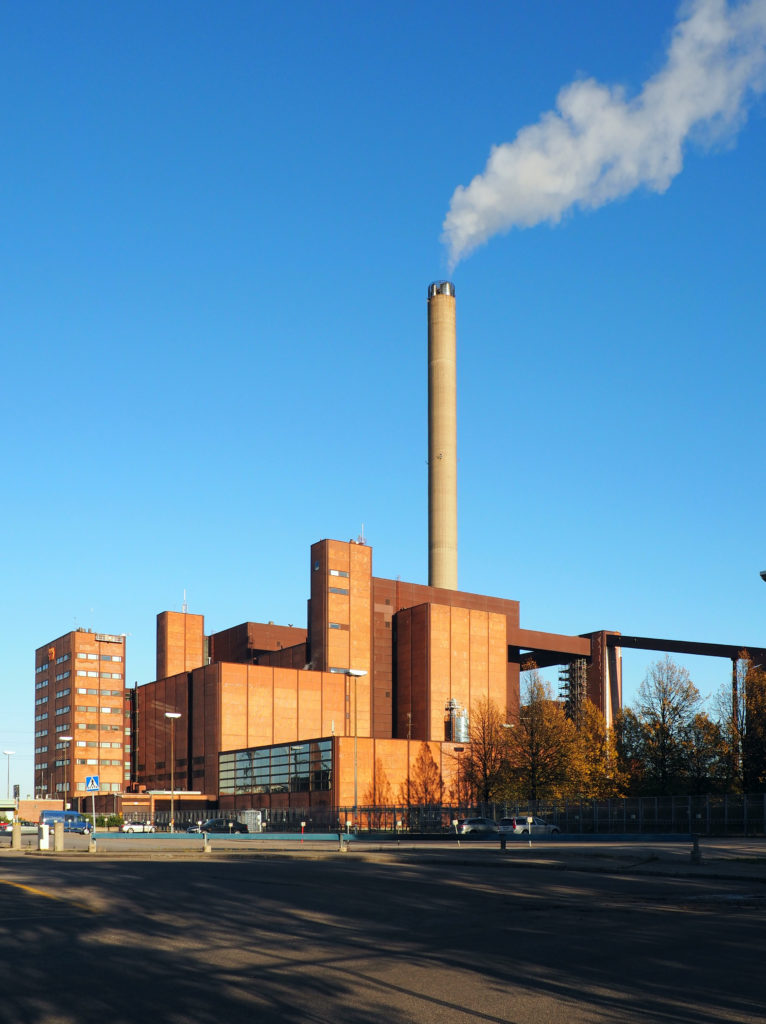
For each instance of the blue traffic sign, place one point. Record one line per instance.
(91, 783)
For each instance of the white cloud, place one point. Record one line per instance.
(598, 145)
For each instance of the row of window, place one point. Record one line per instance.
(287, 768)
(95, 743)
(94, 710)
(63, 711)
(104, 693)
(337, 590)
(64, 657)
(62, 675)
(63, 693)
(103, 675)
(95, 657)
(338, 572)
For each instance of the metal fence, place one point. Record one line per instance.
(674, 815)
(667, 815)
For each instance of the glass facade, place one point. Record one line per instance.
(286, 768)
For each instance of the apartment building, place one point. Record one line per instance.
(82, 716)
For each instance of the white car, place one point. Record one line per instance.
(519, 826)
(138, 826)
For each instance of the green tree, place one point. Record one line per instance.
(705, 755)
(630, 746)
(667, 702)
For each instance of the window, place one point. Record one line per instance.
(42, 717)
(62, 675)
(41, 700)
(62, 693)
(63, 711)
(41, 685)
(334, 625)
(338, 572)
(41, 732)
(64, 657)
(337, 590)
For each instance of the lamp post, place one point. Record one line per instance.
(172, 715)
(8, 754)
(67, 740)
(355, 674)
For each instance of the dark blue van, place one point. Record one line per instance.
(73, 821)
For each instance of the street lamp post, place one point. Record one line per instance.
(8, 754)
(457, 752)
(355, 674)
(172, 715)
(67, 740)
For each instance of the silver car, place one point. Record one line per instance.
(476, 826)
(138, 826)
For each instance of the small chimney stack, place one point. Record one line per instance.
(442, 436)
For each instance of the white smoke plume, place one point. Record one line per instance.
(598, 145)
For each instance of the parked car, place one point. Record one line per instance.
(225, 826)
(28, 828)
(138, 826)
(519, 826)
(476, 826)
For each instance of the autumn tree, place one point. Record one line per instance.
(481, 764)
(742, 716)
(541, 746)
(379, 792)
(597, 764)
(425, 784)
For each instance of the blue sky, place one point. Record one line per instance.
(219, 223)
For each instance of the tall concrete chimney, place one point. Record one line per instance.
(442, 437)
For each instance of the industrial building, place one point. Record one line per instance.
(369, 704)
(340, 715)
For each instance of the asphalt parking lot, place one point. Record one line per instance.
(396, 935)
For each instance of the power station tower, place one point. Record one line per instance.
(442, 436)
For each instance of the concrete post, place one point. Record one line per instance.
(16, 836)
(58, 837)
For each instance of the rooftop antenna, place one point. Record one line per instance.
(360, 539)
(184, 606)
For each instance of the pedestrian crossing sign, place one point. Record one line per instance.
(91, 784)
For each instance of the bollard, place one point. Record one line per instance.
(44, 837)
(206, 847)
(92, 844)
(58, 837)
(16, 836)
(696, 856)
(342, 847)
(503, 841)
